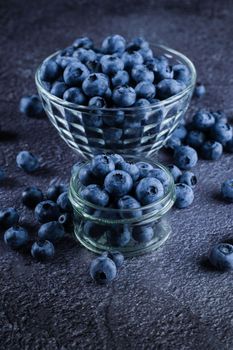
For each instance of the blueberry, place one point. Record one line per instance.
(31, 196)
(168, 87)
(175, 172)
(96, 84)
(180, 132)
(203, 120)
(75, 73)
(184, 196)
(103, 270)
(173, 143)
(84, 42)
(124, 96)
(219, 116)
(93, 230)
(116, 257)
(139, 43)
(185, 157)
(146, 54)
(221, 132)
(75, 95)
(117, 158)
(144, 168)
(221, 256)
(27, 161)
(132, 59)
(52, 231)
(143, 234)
(211, 150)
(188, 178)
(8, 217)
(58, 89)
(31, 106)
(97, 102)
(113, 44)
(54, 190)
(85, 175)
(227, 190)
(111, 64)
(46, 211)
(49, 71)
(142, 73)
(67, 52)
(163, 71)
(229, 146)
(128, 203)
(42, 250)
(119, 237)
(84, 55)
(120, 78)
(195, 138)
(145, 89)
(63, 202)
(130, 168)
(160, 175)
(96, 195)
(63, 61)
(66, 220)
(199, 90)
(16, 237)
(143, 108)
(101, 165)
(2, 174)
(118, 183)
(149, 190)
(181, 73)
(92, 119)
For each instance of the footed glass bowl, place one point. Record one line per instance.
(131, 231)
(128, 131)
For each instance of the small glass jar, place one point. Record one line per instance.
(133, 231)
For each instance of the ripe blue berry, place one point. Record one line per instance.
(84, 42)
(185, 157)
(160, 175)
(42, 250)
(119, 237)
(199, 90)
(58, 89)
(184, 196)
(181, 73)
(96, 84)
(31, 196)
(227, 190)
(132, 169)
(85, 175)
(124, 96)
(175, 172)
(118, 183)
(63, 202)
(113, 44)
(180, 132)
(188, 178)
(116, 257)
(173, 143)
(8, 217)
(75, 95)
(16, 237)
(103, 270)
(144, 168)
(149, 190)
(96, 195)
(139, 43)
(46, 211)
(27, 161)
(75, 73)
(142, 73)
(168, 87)
(66, 220)
(143, 234)
(195, 138)
(219, 116)
(221, 256)
(111, 64)
(132, 59)
(117, 158)
(120, 78)
(145, 89)
(54, 191)
(128, 203)
(163, 71)
(101, 165)
(203, 120)
(221, 132)
(31, 106)
(52, 231)
(49, 71)
(211, 150)
(97, 102)
(84, 55)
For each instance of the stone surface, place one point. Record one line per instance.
(166, 300)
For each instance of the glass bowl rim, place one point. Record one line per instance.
(75, 197)
(162, 103)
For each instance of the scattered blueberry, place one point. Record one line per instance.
(175, 172)
(103, 270)
(195, 138)
(8, 217)
(42, 250)
(180, 132)
(16, 237)
(199, 90)
(188, 178)
(184, 196)
(63, 202)
(31, 106)
(51, 231)
(221, 132)
(27, 161)
(116, 257)
(31, 196)
(54, 191)
(203, 120)
(185, 157)
(46, 211)
(227, 190)
(221, 256)
(211, 150)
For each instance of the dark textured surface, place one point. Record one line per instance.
(165, 300)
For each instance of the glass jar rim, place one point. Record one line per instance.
(159, 104)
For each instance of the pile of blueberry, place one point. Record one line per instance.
(118, 74)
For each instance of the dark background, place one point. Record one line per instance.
(164, 300)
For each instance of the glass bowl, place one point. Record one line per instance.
(128, 131)
(104, 229)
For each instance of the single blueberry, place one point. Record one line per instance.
(227, 190)
(118, 182)
(168, 87)
(142, 73)
(85, 175)
(143, 234)
(31, 196)
(101, 165)
(175, 172)
(27, 161)
(163, 71)
(63, 61)
(149, 190)
(95, 195)
(16, 237)
(173, 142)
(75, 95)
(75, 73)
(185, 157)
(117, 158)
(31, 106)
(113, 44)
(52, 231)
(211, 150)
(184, 196)
(219, 116)
(143, 109)
(8, 217)
(96, 84)
(139, 43)
(58, 89)
(144, 168)
(221, 256)
(103, 270)
(188, 178)
(124, 96)
(63, 202)
(54, 190)
(116, 257)
(119, 237)
(49, 71)
(195, 138)
(180, 132)
(130, 168)
(42, 250)
(66, 220)
(203, 120)
(129, 203)
(145, 89)
(181, 73)
(84, 42)
(120, 78)
(199, 90)
(161, 176)
(146, 54)
(46, 211)
(111, 64)
(221, 132)
(132, 59)
(84, 55)
(97, 102)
